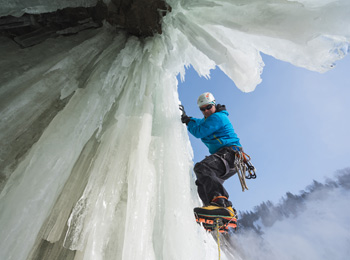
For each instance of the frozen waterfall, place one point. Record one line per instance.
(108, 174)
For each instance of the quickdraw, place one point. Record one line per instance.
(244, 168)
(250, 167)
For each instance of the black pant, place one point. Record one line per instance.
(212, 172)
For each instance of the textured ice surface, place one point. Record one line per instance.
(139, 185)
(233, 33)
(117, 155)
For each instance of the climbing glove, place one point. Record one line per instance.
(185, 119)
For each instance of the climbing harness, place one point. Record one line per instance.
(243, 166)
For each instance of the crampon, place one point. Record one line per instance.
(211, 223)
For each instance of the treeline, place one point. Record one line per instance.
(267, 213)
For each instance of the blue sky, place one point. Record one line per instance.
(295, 126)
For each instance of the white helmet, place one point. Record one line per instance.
(205, 99)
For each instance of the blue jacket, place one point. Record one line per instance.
(216, 131)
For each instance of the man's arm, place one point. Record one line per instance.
(185, 119)
(206, 127)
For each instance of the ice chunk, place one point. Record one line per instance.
(232, 33)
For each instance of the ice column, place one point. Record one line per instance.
(140, 192)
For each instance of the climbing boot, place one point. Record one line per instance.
(215, 211)
(219, 207)
(213, 217)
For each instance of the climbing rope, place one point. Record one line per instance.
(218, 236)
(243, 165)
(218, 226)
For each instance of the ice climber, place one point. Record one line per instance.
(216, 132)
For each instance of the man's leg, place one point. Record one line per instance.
(208, 172)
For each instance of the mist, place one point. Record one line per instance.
(314, 226)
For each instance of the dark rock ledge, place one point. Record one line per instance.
(141, 18)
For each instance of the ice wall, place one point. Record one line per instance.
(120, 145)
(115, 163)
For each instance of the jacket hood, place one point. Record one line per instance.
(223, 111)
